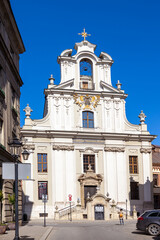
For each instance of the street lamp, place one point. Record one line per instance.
(15, 144)
(25, 154)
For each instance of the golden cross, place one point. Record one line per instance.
(84, 34)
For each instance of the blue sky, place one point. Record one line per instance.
(129, 31)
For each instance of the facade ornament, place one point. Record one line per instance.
(28, 111)
(114, 149)
(145, 150)
(29, 147)
(107, 104)
(133, 150)
(88, 102)
(51, 79)
(117, 104)
(89, 168)
(63, 148)
(142, 117)
(88, 195)
(107, 194)
(119, 85)
(84, 34)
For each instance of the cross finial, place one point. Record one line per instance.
(84, 34)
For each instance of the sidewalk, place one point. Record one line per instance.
(28, 232)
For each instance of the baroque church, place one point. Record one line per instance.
(84, 146)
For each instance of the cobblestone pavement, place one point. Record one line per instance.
(110, 230)
(28, 232)
(79, 230)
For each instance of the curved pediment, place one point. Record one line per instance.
(66, 53)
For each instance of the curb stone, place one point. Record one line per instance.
(46, 234)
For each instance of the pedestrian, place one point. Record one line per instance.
(121, 216)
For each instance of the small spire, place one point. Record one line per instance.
(119, 85)
(51, 79)
(84, 34)
(142, 117)
(28, 111)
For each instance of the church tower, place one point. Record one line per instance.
(84, 145)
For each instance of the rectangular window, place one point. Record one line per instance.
(88, 160)
(42, 189)
(155, 179)
(42, 162)
(134, 187)
(85, 85)
(88, 119)
(133, 164)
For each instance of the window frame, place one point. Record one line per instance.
(85, 165)
(133, 165)
(42, 163)
(89, 121)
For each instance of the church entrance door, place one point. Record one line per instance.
(99, 212)
(91, 190)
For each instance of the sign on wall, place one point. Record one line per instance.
(24, 171)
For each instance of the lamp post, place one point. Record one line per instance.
(15, 144)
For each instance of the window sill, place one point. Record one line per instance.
(42, 173)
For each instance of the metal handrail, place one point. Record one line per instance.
(66, 210)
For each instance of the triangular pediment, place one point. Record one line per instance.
(108, 88)
(65, 85)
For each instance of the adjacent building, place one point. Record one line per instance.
(84, 146)
(11, 45)
(156, 175)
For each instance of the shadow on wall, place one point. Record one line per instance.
(141, 196)
(27, 209)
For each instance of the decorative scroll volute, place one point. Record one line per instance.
(145, 150)
(114, 149)
(63, 148)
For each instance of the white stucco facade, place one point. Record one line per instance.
(108, 137)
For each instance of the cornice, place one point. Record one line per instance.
(103, 94)
(87, 135)
(114, 149)
(63, 147)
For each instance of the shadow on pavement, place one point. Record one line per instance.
(143, 233)
(139, 232)
(26, 238)
(25, 223)
(156, 238)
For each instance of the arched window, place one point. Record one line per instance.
(85, 67)
(88, 119)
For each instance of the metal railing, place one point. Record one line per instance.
(66, 210)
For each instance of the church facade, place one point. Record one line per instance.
(84, 146)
